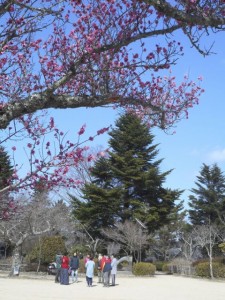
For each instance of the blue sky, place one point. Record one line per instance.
(198, 140)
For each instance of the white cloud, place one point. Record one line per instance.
(217, 155)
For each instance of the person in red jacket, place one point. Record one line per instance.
(64, 274)
(106, 270)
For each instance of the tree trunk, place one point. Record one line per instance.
(210, 254)
(16, 263)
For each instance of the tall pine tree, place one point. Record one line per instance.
(128, 183)
(208, 200)
(6, 170)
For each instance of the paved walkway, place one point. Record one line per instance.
(159, 287)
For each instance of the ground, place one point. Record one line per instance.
(159, 287)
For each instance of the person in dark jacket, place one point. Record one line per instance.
(106, 270)
(74, 266)
(58, 258)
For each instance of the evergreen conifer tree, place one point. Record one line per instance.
(6, 169)
(128, 183)
(208, 200)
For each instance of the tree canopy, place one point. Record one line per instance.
(207, 202)
(70, 54)
(128, 183)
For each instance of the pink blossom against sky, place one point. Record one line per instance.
(199, 139)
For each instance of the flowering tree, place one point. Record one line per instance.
(70, 54)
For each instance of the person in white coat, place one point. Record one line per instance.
(90, 266)
(114, 269)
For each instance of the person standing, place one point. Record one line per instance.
(58, 258)
(106, 271)
(87, 257)
(74, 266)
(114, 269)
(100, 274)
(64, 273)
(90, 266)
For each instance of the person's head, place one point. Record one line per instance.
(75, 254)
(91, 257)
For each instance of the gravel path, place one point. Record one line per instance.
(159, 287)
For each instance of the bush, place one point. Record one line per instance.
(159, 265)
(143, 269)
(47, 249)
(215, 259)
(203, 270)
(165, 268)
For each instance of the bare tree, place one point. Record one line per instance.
(189, 244)
(130, 236)
(35, 218)
(207, 236)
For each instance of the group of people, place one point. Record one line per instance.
(63, 265)
(106, 266)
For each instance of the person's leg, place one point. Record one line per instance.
(76, 275)
(105, 278)
(102, 274)
(62, 276)
(99, 276)
(113, 279)
(91, 281)
(57, 275)
(72, 275)
(109, 273)
(67, 278)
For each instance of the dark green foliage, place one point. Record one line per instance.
(6, 170)
(159, 265)
(208, 202)
(7, 206)
(143, 269)
(203, 270)
(128, 183)
(46, 249)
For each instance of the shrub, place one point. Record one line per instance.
(203, 270)
(165, 268)
(47, 249)
(159, 265)
(143, 269)
(218, 259)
